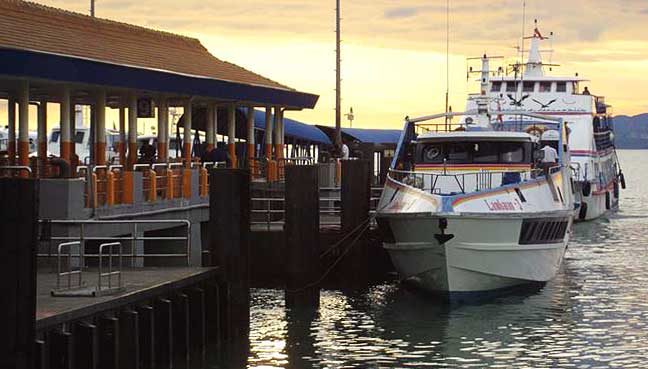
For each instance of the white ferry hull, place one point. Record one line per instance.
(484, 254)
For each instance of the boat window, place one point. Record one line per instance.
(528, 86)
(485, 152)
(512, 153)
(561, 87)
(458, 152)
(545, 86)
(511, 87)
(432, 154)
(55, 136)
(78, 136)
(496, 87)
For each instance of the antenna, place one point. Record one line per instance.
(338, 93)
(92, 8)
(350, 116)
(447, 61)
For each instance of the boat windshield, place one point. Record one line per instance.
(481, 152)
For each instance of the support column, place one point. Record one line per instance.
(278, 122)
(229, 220)
(11, 128)
(66, 126)
(268, 133)
(251, 147)
(42, 138)
(122, 136)
(163, 130)
(231, 134)
(188, 140)
(100, 128)
(212, 119)
(355, 196)
(132, 132)
(302, 237)
(23, 126)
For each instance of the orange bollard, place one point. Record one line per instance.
(110, 189)
(204, 182)
(128, 188)
(152, 196)
(186, 183)
(169, 184)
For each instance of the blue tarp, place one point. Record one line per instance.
(378, 136)
(294, 129)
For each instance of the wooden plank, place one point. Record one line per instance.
(180, 330)
(146, 316)
(163, 333)
(108, 328)
(129, 339)
(86, 345)
(60, 350)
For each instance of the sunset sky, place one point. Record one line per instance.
(394, 51)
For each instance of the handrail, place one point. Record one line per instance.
(115, 166)
(462, 182)
(16, 167)
(94, 169)
(137, 166)
(175, 165)
(156, 165)
(110, 266)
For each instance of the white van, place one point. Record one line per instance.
(82, 144)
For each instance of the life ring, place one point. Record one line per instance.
(586, 189)
(535, 131)
(582, 213)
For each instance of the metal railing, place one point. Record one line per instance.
(68, 272)
(111, 272)
(82, 237)
(461, 183)
(272, 209)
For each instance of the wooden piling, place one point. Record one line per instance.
(19, 229)
(147, 336)
(163, 334)
(355, 196)
(108, 328)
(229, 224)
(180, 331)
(197, 325)
(86, 345)
(129, 333)
(302, 236)
(60, 350)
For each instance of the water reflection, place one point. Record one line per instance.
(594, 314)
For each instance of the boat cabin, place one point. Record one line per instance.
(474, 151)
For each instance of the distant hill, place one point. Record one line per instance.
(631, 132)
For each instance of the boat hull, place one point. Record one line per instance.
(483, 255)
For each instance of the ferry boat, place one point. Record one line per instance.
(466, 209)
(526, 88)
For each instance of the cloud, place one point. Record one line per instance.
(403, 12)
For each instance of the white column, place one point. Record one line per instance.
(163, 130)
(212, 117)
(65, 138)
(100, 128)
(188, 140)
(268, 132)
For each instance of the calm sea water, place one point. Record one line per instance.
(594, 314)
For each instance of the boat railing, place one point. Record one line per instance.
(462, 183)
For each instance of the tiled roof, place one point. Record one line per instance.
(29, 26)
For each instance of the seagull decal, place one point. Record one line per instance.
(544, 106)
(515, 102)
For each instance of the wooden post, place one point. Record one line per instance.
(356, 192)
(19, 227)
(129, 332)
(60, 349)
(302, 236)
(108, 327)
(229, 220)
(180, 303)
(146, 337)
(86, 345)
(163, 334)
(197, 325)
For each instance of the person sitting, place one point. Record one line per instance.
(219, 154)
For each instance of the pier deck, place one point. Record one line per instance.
(139, 284)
